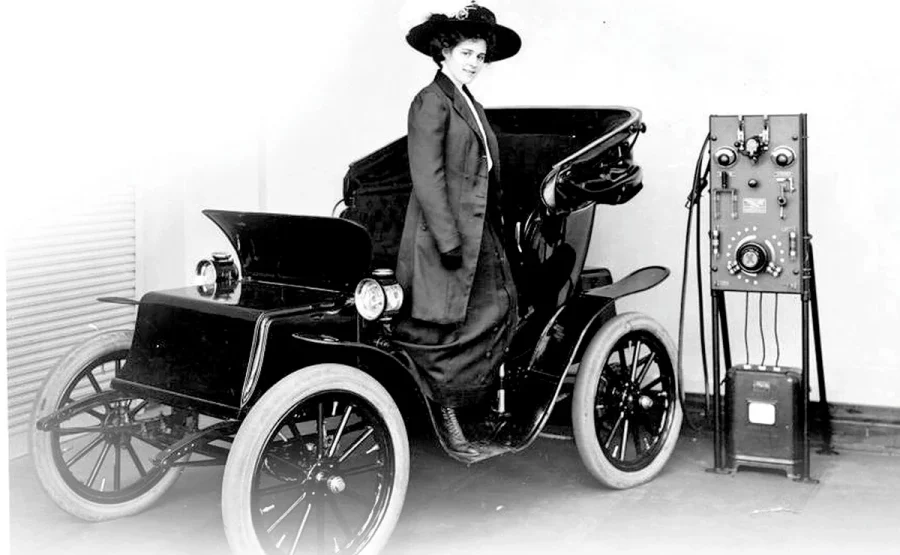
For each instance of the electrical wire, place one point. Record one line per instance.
(777, 345)
(746, 320)
(762, 333)
(702, 320)
(699, 183)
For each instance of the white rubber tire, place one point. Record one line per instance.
(41, 442)
(269, 411)
(586, 384)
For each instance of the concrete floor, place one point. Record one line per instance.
(539, 501)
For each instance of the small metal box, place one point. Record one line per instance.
(763, 408)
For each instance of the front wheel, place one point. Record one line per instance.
(320, 465)
(626, 413)
(96, 464)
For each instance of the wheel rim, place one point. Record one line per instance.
(635, 401)
(324, 478)
(94, 455)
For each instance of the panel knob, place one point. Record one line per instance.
(752, 257)
(783, 156)
(726, 156)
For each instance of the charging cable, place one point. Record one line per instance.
(693, 204)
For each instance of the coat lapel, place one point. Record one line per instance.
(491, 137)
(459, 104)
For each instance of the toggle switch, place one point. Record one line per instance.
(782, 202)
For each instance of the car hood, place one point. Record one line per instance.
(312, 251)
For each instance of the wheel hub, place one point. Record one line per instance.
(336, 484)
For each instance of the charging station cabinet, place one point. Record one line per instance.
(762, 407)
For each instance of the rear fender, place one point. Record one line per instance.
(564, 338)
(635, 282)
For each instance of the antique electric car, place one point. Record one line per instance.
(281, 364)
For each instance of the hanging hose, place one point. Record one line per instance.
(693, 202)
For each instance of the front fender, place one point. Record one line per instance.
(393, 370)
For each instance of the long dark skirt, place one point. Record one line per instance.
(459, 361)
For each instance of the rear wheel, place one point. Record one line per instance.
(96, 463)
(626, 414)
(320, 465)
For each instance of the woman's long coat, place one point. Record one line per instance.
(448, 207)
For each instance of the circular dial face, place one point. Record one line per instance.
(752, 257)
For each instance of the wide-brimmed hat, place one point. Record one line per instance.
(470, 19)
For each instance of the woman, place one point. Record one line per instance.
(451, 263)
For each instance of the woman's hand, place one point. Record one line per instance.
(452, 259)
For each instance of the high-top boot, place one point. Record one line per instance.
(453, 433)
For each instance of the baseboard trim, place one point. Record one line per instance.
(853, 427)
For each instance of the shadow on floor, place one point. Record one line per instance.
(539, 501)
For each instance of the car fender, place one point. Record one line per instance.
(563, 339)
(393, 369)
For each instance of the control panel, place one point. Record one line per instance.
(757, 194)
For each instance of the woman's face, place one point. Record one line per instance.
(465, 60)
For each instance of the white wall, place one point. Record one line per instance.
(208, 105)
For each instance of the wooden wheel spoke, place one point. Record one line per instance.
(289, 510)
(356, 444)
(648, 389)
(648, 362)
(357, 498)
(96, 470)
(94, 383)
(135, 459)
(117, 477)
(634, 359)
(340, 430)
(302, 526)
(362, 470)
(98, 415)
(622, 363)
(320, 429)
(339, 517)
(612, 433)
(623, 445)
(84, 451)
(281, 488)
(640, 432)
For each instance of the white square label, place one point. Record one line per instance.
(754, 205)
(761, 413)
